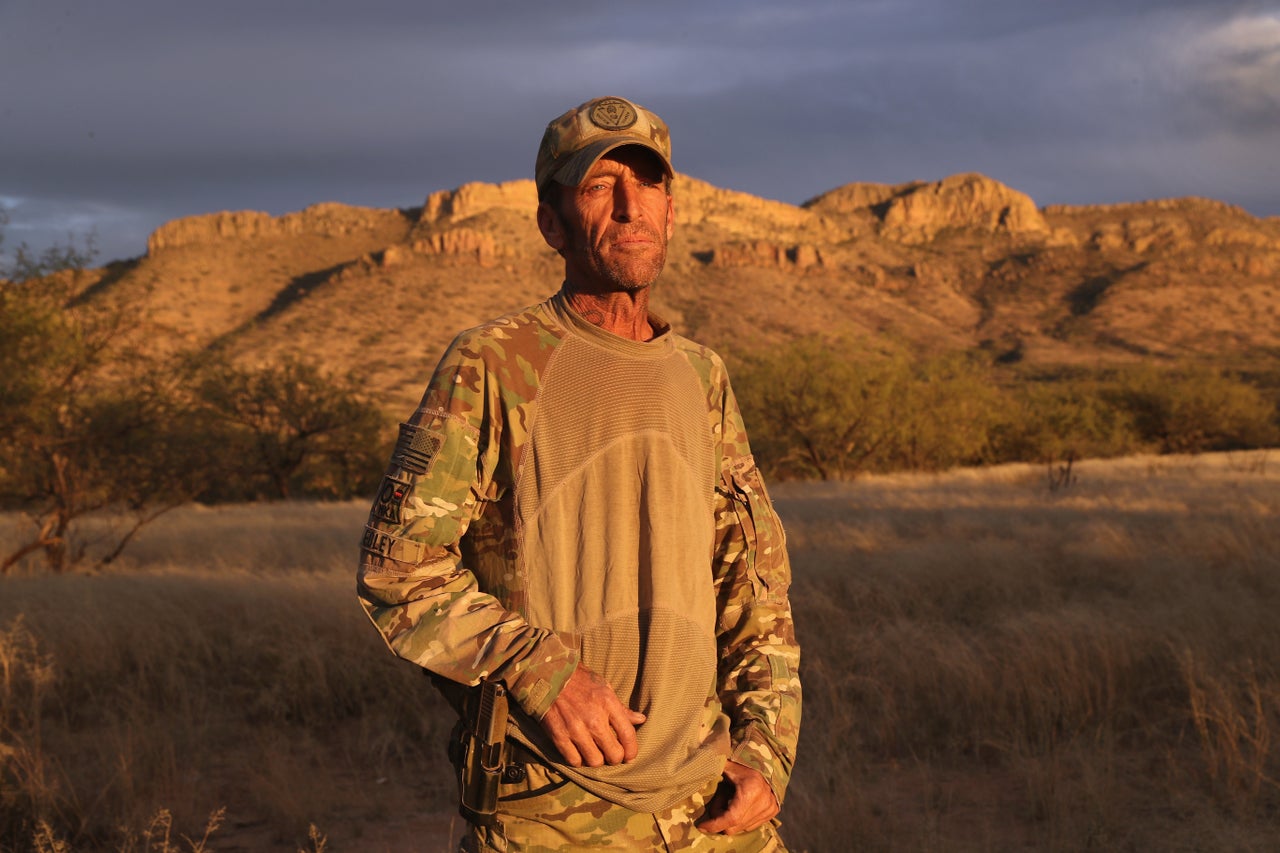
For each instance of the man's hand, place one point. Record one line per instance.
(589, 725)
(743, 802)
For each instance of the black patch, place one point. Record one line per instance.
(389, 504)
(377, 542)
(416, 449)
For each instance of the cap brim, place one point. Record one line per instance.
(575, 169)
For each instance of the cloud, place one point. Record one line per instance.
(84, 225)
(1238, 69)
(168, 110)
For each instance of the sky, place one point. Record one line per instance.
(116, 117)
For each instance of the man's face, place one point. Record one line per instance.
(613, 228)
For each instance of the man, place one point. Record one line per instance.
(573, 512)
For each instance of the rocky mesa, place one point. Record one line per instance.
(960, 263)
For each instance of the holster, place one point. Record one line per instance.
(481, 752)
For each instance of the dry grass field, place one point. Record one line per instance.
(989, 664)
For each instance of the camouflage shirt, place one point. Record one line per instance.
(565, 495)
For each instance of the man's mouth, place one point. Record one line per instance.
(634, 239)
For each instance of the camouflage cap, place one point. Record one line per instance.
(573, 142)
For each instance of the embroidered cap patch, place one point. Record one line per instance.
(613, 114)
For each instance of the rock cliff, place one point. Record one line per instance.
(328, 219)
(964, 262)
(471, 199)
(917, 212)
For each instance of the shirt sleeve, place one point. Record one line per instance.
(412, 581)
(759, 681)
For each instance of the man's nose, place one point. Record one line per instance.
(626, 201)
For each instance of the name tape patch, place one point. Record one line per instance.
(383, 544)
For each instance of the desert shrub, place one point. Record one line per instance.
(815, 409)
(85, 416)
(943, 416)
(830, 411)
(1141, 409)
(91, 421)
(25, 263)
(1195, 410)
(1070, 418)
(290, 430)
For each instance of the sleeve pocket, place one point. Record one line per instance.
(765, 540)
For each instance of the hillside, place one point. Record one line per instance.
(961, 263)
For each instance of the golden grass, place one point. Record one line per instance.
(1088, 668)
(224, 663)
(988, 663)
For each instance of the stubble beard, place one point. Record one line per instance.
(627, 272)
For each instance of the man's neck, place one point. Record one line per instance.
(625, 314)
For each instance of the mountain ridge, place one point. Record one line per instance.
(964, 262)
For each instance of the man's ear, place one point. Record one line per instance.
(671, 216)
(551, 227)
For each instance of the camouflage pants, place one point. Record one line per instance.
(547, 813)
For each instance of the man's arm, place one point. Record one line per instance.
(428, 606)
(758, 674)
(412, 582)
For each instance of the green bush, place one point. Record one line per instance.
(1195, 410)
(827, 410)
(290, 430)
(83, 418)
(944, 415)
(815, 410)
(92, 421)
(1050, 420)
